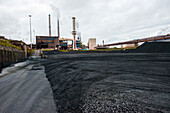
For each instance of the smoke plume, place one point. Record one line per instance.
(56, 11)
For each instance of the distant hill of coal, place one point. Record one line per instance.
(153, 47)
(53, 52)
(147, 47)
(79, 52)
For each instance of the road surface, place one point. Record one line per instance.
(25, 89)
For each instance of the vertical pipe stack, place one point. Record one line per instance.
(74, 33)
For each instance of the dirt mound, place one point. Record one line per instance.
(153, 47)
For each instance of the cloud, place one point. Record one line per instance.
(109, 20)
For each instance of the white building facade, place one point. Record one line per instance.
(92, 43)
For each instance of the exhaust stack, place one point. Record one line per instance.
(74, 32)
(49, 25)
(58, 28)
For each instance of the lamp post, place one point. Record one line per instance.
(30, 32)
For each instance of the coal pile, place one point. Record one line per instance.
(79, 52)
(153, 47)
(107, 83)
(147, 47)
(54, 52)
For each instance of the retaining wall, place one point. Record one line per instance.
(10, 55)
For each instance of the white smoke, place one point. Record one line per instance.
(56, 11)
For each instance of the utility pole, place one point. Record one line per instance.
(30, 32)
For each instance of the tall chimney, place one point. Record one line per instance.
(58, 28)
(49, 25)
(74, 32)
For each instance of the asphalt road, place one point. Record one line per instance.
(106, 82)
(25, 89)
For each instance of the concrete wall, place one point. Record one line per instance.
(10, 55)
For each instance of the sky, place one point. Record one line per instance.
(108, 20)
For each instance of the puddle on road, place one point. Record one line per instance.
(13, 67)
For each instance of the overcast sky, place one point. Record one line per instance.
(109, 20)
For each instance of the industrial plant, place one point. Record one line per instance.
(56, 42)
(67, 76)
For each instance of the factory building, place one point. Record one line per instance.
(64, 43)
(54, 42)
(92, 43)
(47, 42)
(78, 44)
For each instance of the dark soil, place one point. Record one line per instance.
(109, 82)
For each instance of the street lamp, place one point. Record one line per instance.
(30, 32)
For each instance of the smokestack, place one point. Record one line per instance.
(58, 28)
(74, 32)
(49, 25)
